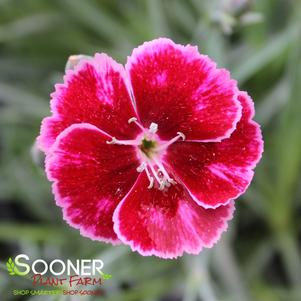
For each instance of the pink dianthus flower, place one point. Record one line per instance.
(151, 155)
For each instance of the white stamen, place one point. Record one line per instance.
(155, 174)
(173, 140)
(141, 168)
(164, 180)
(134, 119)
(154, 169)
(153, 128)
(164, 172)
(123, 142)
(150, 178)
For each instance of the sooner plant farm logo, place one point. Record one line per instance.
(66, 275)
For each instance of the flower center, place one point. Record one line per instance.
(150, 151)
(148, 147)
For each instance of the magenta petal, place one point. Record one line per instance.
(90, 178)
(215, 173)
(96, 92)
(183, 91)
(167, 223)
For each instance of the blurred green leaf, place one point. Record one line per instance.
(98, 20)
(256, 60)
(41, 233)
(23, 100)
(29, 25)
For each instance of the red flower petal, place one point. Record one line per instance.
(167, 223)
(182, 90)
(96, 92)
(215, 173)
(90, 178)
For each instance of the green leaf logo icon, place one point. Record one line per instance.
(105, 276)
(11, 268)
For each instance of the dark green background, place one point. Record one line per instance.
(259, 42)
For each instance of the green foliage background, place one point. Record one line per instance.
(259, 42)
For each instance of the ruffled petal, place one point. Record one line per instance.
(215, 173)
(182, 91)
(90, 178)
(167, 223)
(96, 92)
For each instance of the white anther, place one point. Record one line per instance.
(167, 183)
(141, 167)
(133, 119)
(113, 141)
(153, 128)
(151, 183)
(172, 181)
(162, 185)
(181, 135)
